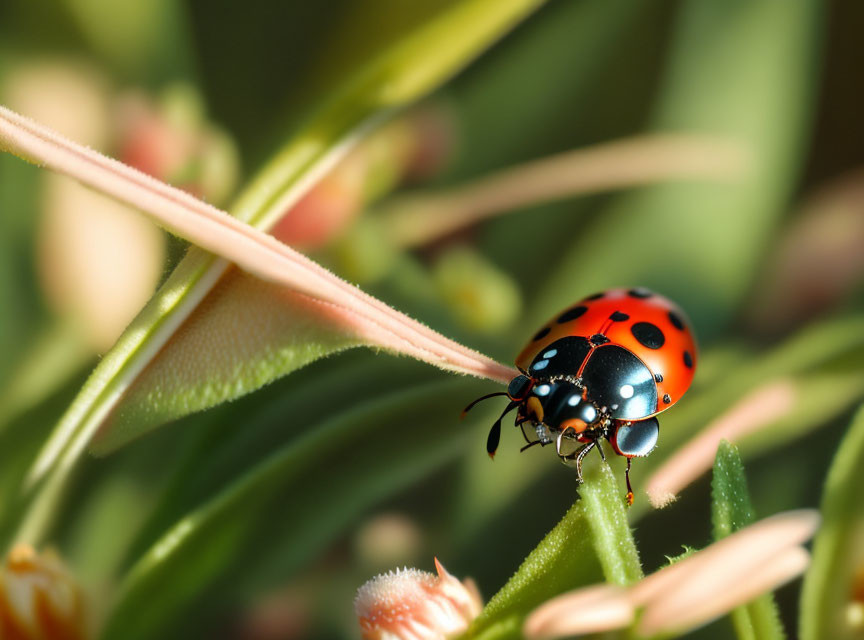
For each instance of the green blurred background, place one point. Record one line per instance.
(399, 479)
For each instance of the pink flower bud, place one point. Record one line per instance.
(170, 139)
(409, 604)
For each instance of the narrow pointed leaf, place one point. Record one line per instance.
(610, 529)
(731, 510)
(832, 599)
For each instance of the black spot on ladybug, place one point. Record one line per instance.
(676, 321)
(658, 377)
(571, 314)
(542, 333)
(688, 360)
(596, 296)
(667, 399)
(648, 335)
(619, 317)
(598, 339)
(639, 293)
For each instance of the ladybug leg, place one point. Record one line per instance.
(600, 450)
(627, 478)
(520, 422)
(580, 455)
(576, 458)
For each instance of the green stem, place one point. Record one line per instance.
(591, 541)
(613, 541)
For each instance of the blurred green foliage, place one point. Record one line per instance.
(269, 491)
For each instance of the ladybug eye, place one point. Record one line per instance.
(518, 387)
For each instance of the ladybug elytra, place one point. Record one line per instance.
(603, 368)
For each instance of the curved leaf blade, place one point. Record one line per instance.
(828, 597)
(731, 510)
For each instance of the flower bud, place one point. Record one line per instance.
(410, 604)
(99, 261)
(171, 140)
(411, 147)
(39, 600)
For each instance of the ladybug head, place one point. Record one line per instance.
(561, 404)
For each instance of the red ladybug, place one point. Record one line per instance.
(604, 368)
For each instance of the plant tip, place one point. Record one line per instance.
(419, 605)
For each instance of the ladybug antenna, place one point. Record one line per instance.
(495, 432)
(486, 397)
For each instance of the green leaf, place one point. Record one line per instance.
(412, 66)
(604, 505)
(246, 333)
(731, 510)
(831, 597)
(563, 560)
(593, 537)
(300, 496)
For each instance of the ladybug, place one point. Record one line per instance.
(603, 368)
